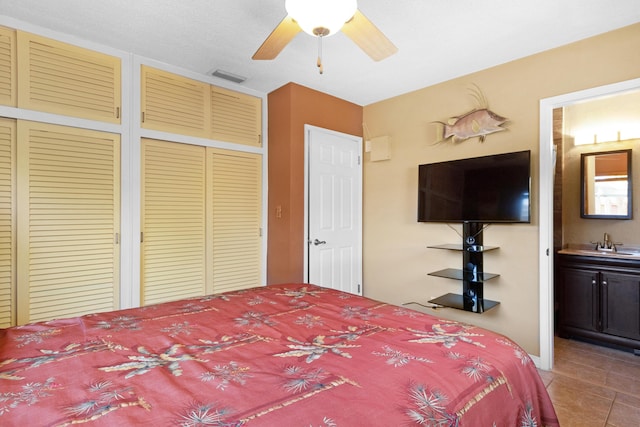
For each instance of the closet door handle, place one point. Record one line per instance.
(319, 242)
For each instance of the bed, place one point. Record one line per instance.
(285, 355)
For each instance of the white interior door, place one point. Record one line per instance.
(334, 209)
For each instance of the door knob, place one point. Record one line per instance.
(319, 242)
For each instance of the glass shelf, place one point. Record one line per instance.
(458, 247)
(458, 274)
(457, 301)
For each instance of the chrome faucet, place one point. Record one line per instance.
(606, 244)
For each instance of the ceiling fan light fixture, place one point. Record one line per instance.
(321, 17)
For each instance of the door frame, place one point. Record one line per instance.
(305, 242)
(545, 247)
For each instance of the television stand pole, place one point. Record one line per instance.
(472, 267)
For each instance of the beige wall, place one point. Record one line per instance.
(396, 258)
(577, 230)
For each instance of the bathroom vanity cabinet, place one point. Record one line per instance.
(599, 299)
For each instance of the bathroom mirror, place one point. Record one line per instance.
(606, 185)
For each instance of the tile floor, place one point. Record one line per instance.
(593, 385)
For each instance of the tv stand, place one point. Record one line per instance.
(472, 273)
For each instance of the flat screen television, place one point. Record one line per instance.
(488, 189)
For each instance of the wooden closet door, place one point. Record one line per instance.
(8, 84)
(236, 117)
(68, 221)
(176, 104)
(173, 221)
(7, 222)
(64, 79)
(235, 205)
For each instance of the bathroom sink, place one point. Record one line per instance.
(633, 253)
(594, 252)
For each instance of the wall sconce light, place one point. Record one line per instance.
(601, 136)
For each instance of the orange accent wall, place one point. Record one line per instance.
(290, 108)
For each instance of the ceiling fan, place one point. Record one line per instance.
(322, 18)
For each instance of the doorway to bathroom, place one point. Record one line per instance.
(552, 215)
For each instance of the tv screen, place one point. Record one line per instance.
(486, 189)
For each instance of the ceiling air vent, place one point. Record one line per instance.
(228, 76)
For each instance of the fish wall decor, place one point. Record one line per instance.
(478, 122)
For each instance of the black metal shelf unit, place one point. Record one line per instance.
(472, 273)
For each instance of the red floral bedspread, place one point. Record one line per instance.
(290, 355)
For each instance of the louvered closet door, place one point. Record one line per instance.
(7, 222)
(7, 66)
(68, 221)
(235, 200)
(60, 78)
(173, 221)
(236, 117)
(176, 104)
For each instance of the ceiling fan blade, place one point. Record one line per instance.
(286, 30)
(368, 37)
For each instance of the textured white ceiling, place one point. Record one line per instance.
(437, 39)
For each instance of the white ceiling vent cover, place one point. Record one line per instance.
(228, 76)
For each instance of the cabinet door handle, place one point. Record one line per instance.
(593, 281)
(604, 283)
